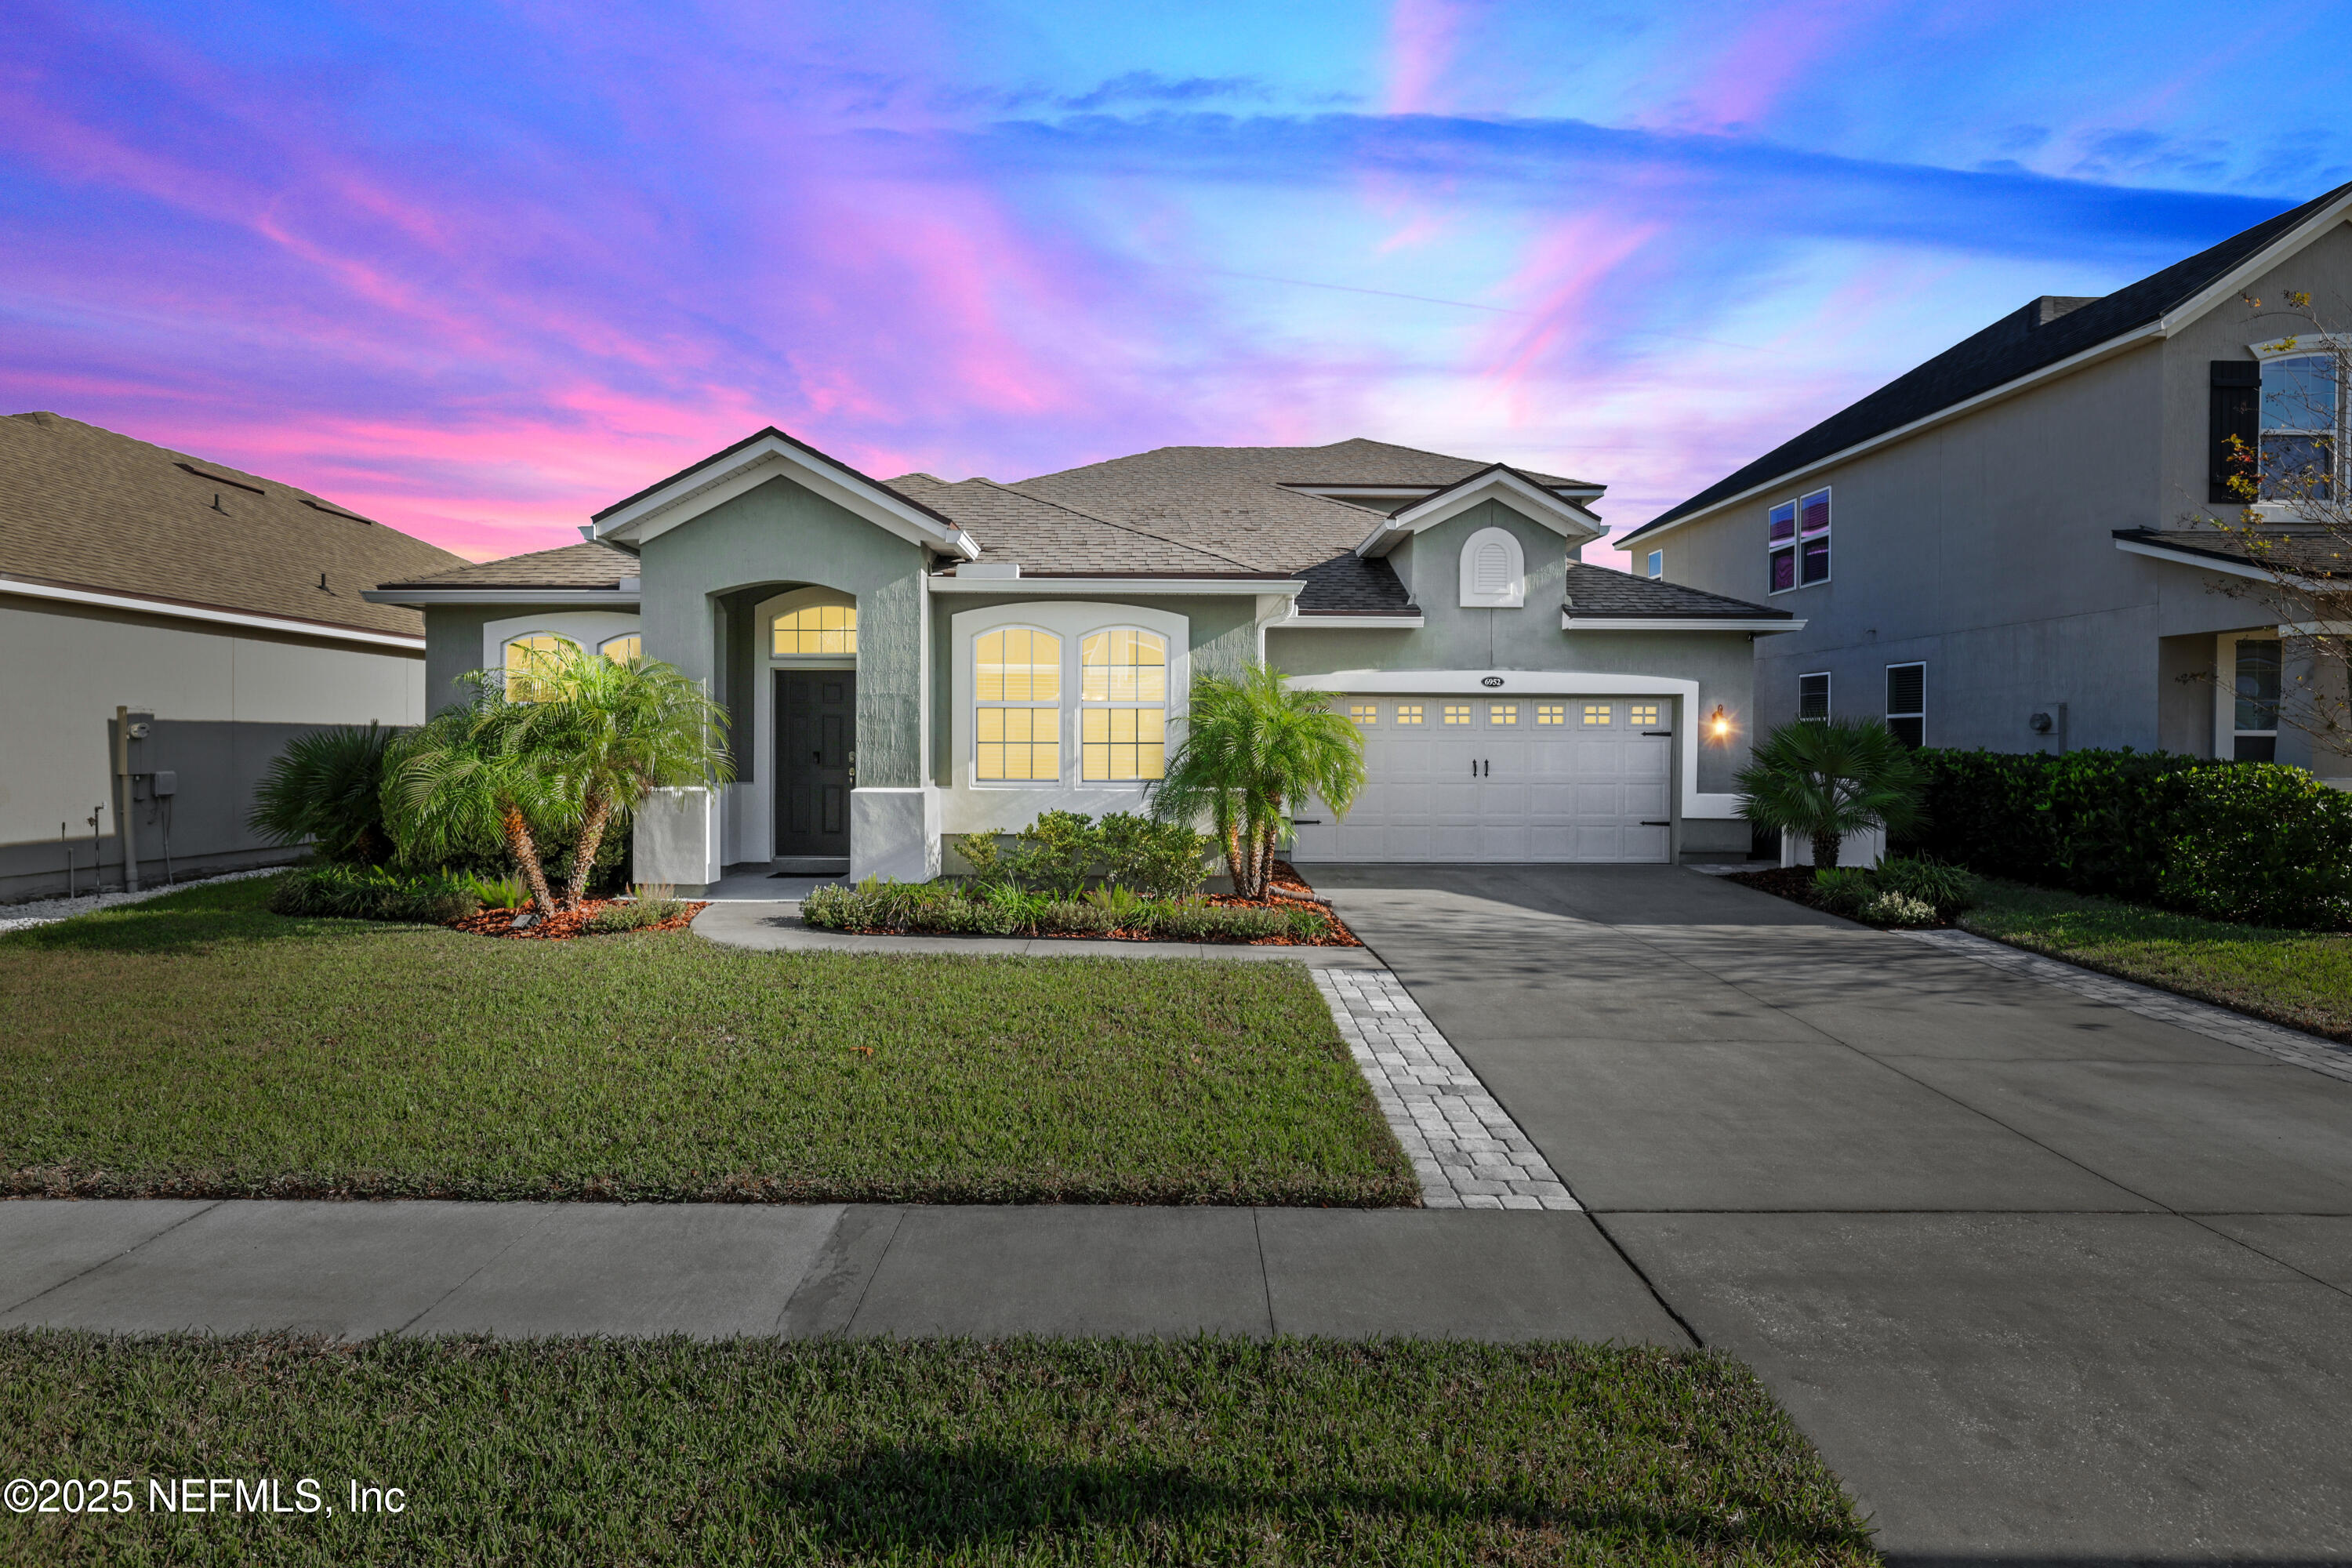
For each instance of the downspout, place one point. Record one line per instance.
(124, 810)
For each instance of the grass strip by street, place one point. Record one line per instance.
(835, 1452)
(199, 1045)
(2300, 979)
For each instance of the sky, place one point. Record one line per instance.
(478, 270)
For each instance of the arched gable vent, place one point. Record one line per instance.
(1493, 573)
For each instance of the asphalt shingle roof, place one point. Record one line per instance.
(586, 565)
(1603, 591)
(85, 507)
(2042, 334)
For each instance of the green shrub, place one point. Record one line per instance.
(1892, 909)
(832, 906)
(1158, 860)
(1947, 889)
(1054, 853)
(506, 893)
(1844, 889)
(946, 908)
(654, 903)
(374, 893)
(2247, 841)
(1120, 906)
(1076, 917)
(982, 853)
(325, 790)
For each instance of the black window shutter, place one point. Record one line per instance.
(2236, 402)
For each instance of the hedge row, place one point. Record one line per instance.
(374, 893)
(949, 909)
(2242, 841)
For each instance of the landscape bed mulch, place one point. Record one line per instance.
(1288, 890)
(565, 924)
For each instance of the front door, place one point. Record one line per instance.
(816, 760)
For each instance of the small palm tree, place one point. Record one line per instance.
(478, 772)
(614, 730)
(325, 789)
(1825, 779)
(1252, 749)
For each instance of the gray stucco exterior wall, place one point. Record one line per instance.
(781, 535)
(453, 645)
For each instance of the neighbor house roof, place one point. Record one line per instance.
(2042, 334)
(87, 513)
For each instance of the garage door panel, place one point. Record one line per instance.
(1491, 791)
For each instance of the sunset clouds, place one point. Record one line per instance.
(479, 272)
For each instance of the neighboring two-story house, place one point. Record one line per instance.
(903, 661)
(2012, 547)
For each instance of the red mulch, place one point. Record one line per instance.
(564, 924)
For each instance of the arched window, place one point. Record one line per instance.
(630, 650)
(1122, 705)
(815, 629)
(1493, 573)
(528, 661)
(1017, 699)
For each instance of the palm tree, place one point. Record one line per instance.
(1826, 779)
(1252, 749)
(614, 730)
(325, 789)
(479, 772)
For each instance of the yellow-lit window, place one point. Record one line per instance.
(1551, 712)
(815, 629)
(1457, 712)
(1017, 685)
(528, 661)
(1502, 712)
(1407, 712)
(1122, 705)
(1364, 713)
(1641, 714)
(629, 649)
(1596, 713)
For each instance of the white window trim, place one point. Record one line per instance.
(2225, 688)
(1515, 595)
(2310, 345)
(581, 628)
(1655, 565)
(975, 806)
(1797, 542)
(1828, 692)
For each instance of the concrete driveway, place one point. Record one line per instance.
(2044, 1280)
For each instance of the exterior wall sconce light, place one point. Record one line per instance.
(1718, 724)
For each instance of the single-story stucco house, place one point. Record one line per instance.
(906, 660)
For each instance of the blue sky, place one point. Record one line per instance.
(479, 270)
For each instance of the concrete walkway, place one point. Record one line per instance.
(711, 1271)
(2043, 1278)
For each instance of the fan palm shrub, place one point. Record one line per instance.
(1252, 749)
(325, 789)
(1824, 779)
(483, 770)
(612, 732)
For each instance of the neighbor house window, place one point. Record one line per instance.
(1017, 693)
(1797, 542)
(529, 662)
(815, 629)
(2254, 700)
(1657, 563)
(1907, 702)
(1813, 696)
(630, 650)
(2300, 415)
(1122, 705)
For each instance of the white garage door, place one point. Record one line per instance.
(1476, 778)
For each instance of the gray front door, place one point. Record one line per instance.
(816, 760)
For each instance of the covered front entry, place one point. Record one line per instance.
(1524, 779)
(817, 762)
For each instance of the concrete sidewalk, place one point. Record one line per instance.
(353, 1269)
(2043, 1278)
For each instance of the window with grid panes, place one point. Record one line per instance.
(1017, 699)
(1122, 705)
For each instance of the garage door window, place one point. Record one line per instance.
(1017, 687)
(1642, 715)
(1501, 713)
(1364, 713)
(1596, 713)
(1551, 712)
(1407, 712)
(1457, 712)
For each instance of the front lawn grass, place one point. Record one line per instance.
(200, 1045)
(1307, 1452)
(2302, 979)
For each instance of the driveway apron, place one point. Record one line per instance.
(2044, 1280)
